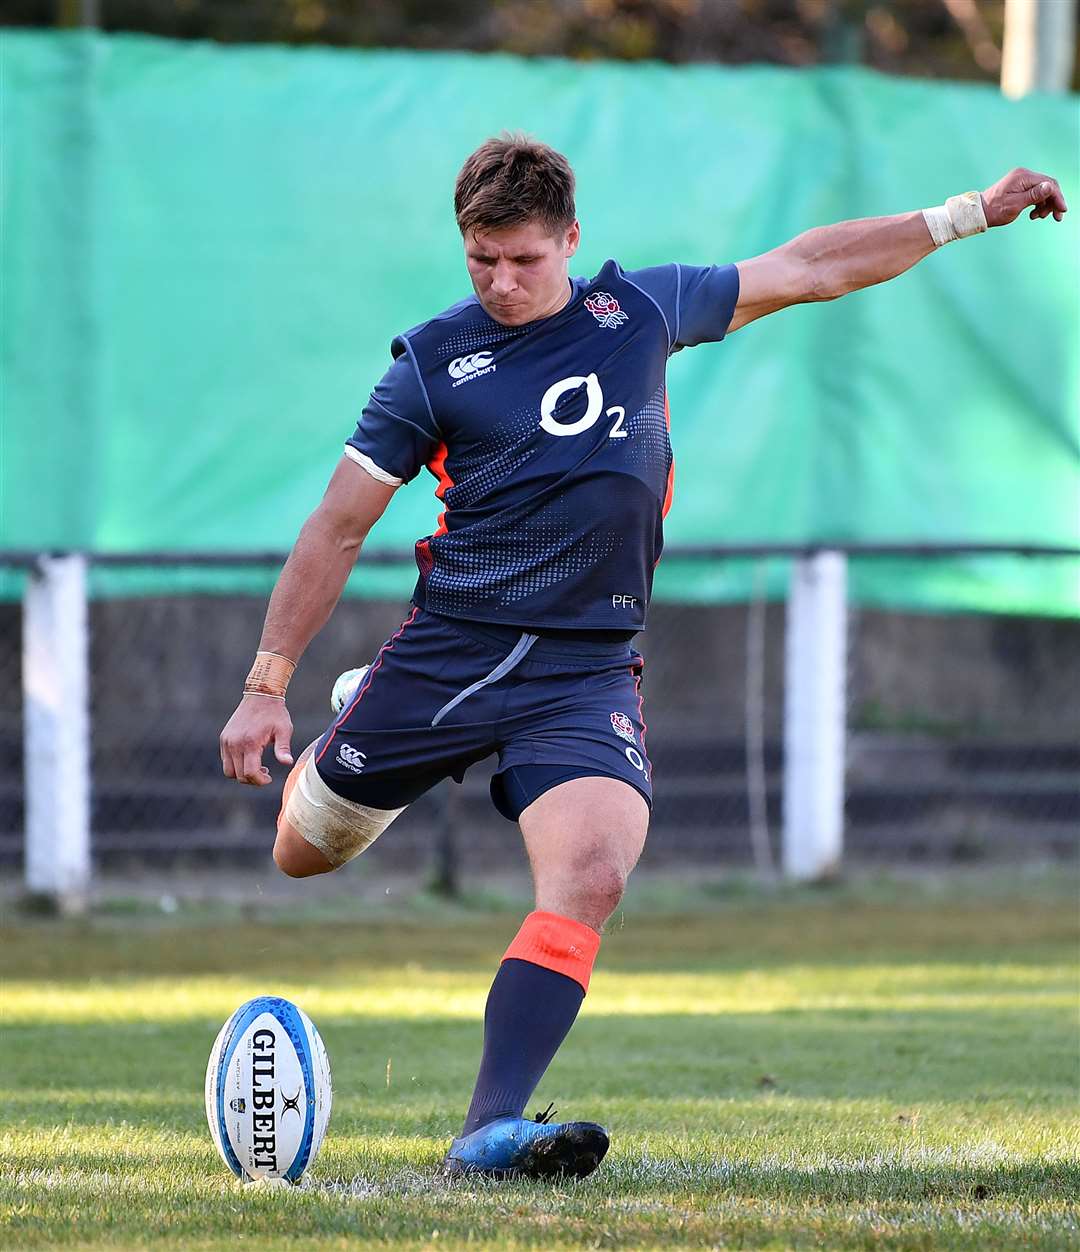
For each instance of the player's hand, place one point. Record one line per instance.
(258, 720)
(1021, 189)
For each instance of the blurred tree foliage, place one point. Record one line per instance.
(930, 38)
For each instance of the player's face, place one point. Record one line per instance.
(520, 274)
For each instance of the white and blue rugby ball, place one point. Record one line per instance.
(345, 687)
(268, 1091)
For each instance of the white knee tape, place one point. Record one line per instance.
(339, 828)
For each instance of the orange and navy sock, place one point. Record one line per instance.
(531, 1006)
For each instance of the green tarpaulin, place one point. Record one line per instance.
(206, 251)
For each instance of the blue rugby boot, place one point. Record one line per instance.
(514, 1147)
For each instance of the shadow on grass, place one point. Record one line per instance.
(845, 1180)
(759, 932)
(945, 1177)
(1021, 1052)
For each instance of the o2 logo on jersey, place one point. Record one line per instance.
(594, 407)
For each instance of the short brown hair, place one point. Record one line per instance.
(511, 180)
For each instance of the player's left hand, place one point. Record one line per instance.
(1021, 189)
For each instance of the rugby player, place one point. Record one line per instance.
(538, 403)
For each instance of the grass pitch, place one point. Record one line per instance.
(849, 1068)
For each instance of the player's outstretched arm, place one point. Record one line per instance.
(831, 261)
(304, 597)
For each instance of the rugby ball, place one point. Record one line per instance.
(345, 687)
(268, 1091)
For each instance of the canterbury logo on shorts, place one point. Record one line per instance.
(352, 758)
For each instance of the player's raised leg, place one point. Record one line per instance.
(293, 855)
(583, 838)
(318, 830)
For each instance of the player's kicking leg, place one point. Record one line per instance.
(293, 854)
(318, 830)
(583, 838)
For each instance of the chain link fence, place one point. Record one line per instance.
(963, 737)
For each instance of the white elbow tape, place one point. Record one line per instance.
(339, 828)
(957, 218)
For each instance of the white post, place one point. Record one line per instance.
(815, 716)
(56, 722)
(1038, 52)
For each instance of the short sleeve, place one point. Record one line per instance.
(396, 434)
(697, 302)
(707, 298)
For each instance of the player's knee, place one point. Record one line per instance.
(607, 882)
(599, 883)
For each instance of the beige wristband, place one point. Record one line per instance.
(269, 675)
(957, 218)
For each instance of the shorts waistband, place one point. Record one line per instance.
(503, 638)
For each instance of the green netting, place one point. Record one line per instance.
(206, 251)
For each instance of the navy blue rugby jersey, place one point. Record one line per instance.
(549, 444)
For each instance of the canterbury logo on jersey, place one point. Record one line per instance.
(465, 368)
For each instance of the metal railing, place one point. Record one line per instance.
(932, 736)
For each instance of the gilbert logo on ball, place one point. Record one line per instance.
(268, 1091)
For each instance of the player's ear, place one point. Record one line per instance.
(573, 238)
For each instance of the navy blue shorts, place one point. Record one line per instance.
(442, 694)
